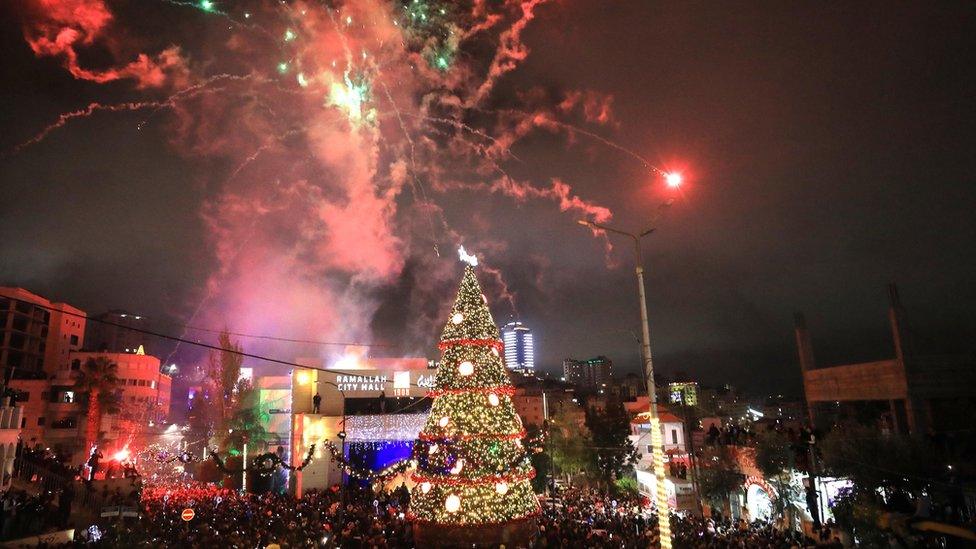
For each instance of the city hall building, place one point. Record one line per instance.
(378, 402)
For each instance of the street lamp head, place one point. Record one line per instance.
(585, 222)
(673, 179)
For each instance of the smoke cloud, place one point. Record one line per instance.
(58, 28)
(328, 148)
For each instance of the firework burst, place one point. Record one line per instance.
(336, 109)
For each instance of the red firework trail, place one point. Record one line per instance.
(466, 128)
(607, 142)
(131, 106)
(91, 109)
(414, 180)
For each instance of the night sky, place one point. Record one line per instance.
(827, 149)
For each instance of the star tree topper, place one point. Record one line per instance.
(467, 258)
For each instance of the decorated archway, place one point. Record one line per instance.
(759, 499)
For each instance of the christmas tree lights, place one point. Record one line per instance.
(472, 468)
(661, 496)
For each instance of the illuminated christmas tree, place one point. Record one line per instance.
(473, 472)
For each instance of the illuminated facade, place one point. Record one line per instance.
(9, 437)
(665, 431)
(519, 348)
(377, 402)
(37, 334)
(54, 413)
(685, 394)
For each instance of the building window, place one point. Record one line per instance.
(650, 449)
(76, 364)
(23, 423)
(19, 324)
(40, 422)
(674, 436)
(17, 341)
(74, 340)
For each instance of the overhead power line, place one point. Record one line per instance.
(276, 338)
(191, 342)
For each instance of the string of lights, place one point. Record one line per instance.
(362, 473)
(262, 464)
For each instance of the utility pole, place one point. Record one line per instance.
(691, 454)
(657, 442)
(813, 497)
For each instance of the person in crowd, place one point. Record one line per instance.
(93, 462)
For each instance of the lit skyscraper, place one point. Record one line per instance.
(519, 352)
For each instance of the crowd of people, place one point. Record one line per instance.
(578, 518)
(25, 514)
(698, 533)
(229, 518)
(729, 435)
(38, 461)
(587, 518)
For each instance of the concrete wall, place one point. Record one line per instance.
(881, 380)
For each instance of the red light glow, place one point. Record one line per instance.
(673, 179)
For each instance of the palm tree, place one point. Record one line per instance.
(98, 380)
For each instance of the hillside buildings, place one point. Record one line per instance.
(36, 334)
(41, 352)
(591, 373)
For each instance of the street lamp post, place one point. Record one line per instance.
(657, 442)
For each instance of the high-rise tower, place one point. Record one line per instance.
(519, 348)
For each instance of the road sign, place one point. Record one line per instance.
(188, 514)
